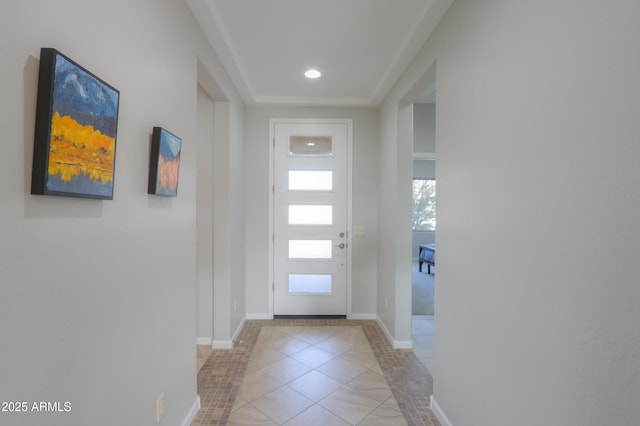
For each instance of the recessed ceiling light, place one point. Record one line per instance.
(312, 73)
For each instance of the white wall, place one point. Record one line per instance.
(424, 128)
(237, 306)
(538, 177)
(388, 185)
(98, 298)
(365, 181)
(228, 225)
(394, 227)
(403, 216)
(204, 217)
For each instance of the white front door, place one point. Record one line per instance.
(310, 241)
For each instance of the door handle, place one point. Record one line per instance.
(341, 245)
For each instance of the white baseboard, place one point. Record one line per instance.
(206, 341)
(363, 316)
(228, 344)
(384, 329)
(395, 344)
(192, 413)
(222, 344)
(238, 330)
(442, 418)
(403, 344)
(259, 317)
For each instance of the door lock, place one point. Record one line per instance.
(341, 245)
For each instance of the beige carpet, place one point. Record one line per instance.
(422, 290)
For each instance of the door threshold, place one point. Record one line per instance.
(310, 317)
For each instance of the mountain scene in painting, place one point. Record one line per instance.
(83, 132)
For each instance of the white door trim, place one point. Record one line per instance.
(349, 124)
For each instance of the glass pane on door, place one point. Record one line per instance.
(310, 283)
(310, 180)
(311, 146)
(310, 214)
(310, 249)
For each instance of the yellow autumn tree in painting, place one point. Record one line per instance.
(76, 149)
(168, 174)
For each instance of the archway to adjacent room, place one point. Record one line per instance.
(420, 104)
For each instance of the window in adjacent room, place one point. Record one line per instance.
(424, 205)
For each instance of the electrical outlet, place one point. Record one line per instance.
(160, 408)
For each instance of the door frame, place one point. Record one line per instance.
(272, 158)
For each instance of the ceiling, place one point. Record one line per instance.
(360, 46)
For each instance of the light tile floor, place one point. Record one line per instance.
(301, 375)
(315, 372)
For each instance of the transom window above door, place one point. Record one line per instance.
(317, 146)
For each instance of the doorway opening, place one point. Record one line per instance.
(422, 97)
(423, 269)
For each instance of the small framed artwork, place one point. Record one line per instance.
(75, 135)
(165, 163)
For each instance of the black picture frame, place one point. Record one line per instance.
(75, 130)
(164, 164)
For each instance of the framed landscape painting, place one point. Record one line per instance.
(76, 126)
(165, 163)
